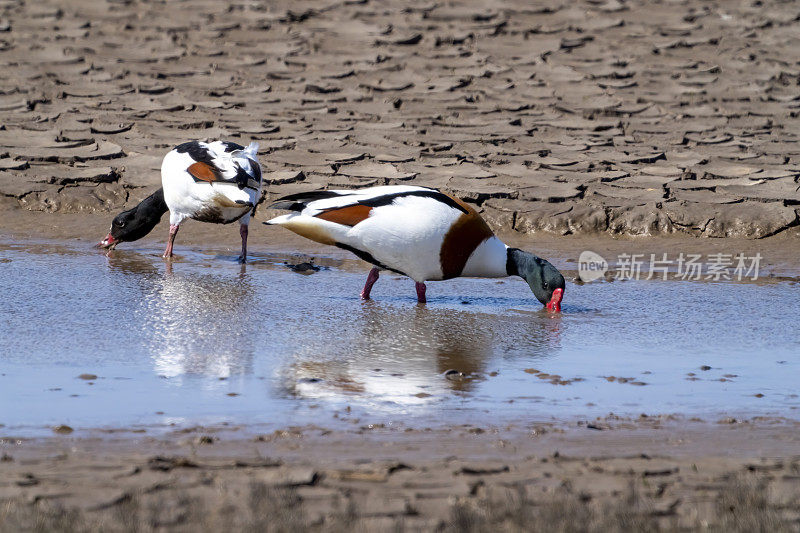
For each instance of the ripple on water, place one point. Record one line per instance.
(205, 339)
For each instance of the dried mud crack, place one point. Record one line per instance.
(323, 483)
(634, 118)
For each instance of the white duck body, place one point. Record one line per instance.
(420, 232)
(218, 182)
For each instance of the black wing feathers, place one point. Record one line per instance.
(201, 154)
(242, 177)
(298, 201)
(196, 151)
(387, 199)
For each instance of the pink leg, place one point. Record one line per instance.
(372, 277)
(173, 230)
(420, 292)
(243, 233)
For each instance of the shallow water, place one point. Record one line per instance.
(207, 341)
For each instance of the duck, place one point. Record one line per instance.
(418, 232)
(218, 182)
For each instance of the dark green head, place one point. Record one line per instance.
(544, 279)
(135, 223)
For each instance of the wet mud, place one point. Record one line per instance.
(614, 474)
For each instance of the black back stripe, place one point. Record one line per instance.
(196, 151)
(388, 199)
(199, 153)
(231, 147)
(256, 169)
(366, 256)
(309, 196)
(242, 177)
(298, 201)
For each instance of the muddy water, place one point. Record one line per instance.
(206, 341)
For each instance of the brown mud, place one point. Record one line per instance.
(779, 252)
(560, 121)
(604, 474)
(628, 118)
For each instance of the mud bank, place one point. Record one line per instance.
(608, 473)
(635, 118)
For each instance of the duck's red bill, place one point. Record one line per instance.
(108, 242)
(555, 301)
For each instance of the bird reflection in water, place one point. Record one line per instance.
(199, 323)
(138, 266)
(411, 356)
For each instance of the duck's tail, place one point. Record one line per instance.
(312, 228)
(251, 150)
(280, 220)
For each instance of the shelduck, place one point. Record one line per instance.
(218, 182)
(418, 232)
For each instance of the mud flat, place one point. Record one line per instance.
(604, 474)
(636, 127)
(627, 118)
